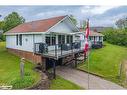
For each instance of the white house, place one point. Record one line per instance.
(94, 37)
(24, 40)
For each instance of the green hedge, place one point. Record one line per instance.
(2, 37)
(116, 36)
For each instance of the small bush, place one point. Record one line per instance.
(27, 74)
(22, 83)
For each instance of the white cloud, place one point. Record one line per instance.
(51, 13)
(96, 9)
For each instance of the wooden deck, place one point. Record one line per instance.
(57, 51)
(58, 54)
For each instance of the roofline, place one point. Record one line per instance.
(7, 33)
(56, 24)
(62, 20)
(73, 23)
(25, 33)
(66, 16)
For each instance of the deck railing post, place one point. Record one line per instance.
(72, 47)
(61, 48)
(55, 50)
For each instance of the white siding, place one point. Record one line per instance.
(27, 42)
(62, 27)
(39, 38)
(11, 42)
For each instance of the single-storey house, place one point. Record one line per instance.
(94, 37)
(41, 40)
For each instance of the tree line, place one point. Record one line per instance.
(117, 36)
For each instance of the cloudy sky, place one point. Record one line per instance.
(98, 15)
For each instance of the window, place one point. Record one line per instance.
(94, 38)
(17, 40)
(50, 39)
(20, 39)
(100, 38)
(47, 40)
(61, 39)
(53, 40)
(69, 39)
(90, 38)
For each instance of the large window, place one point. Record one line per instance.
(47, 40)
(61, 39)
(50, 39)
(19, 39)
(69, 39)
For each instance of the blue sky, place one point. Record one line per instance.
(98, 15)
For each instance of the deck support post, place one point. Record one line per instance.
(54, 69)
(43, 63)
(75, 60)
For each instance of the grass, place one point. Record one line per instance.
(10, 73)
(62, 84)
(10, 70)
(106, 62)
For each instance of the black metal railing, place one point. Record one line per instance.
(56, 50)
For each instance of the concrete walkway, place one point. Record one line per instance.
(81, 78)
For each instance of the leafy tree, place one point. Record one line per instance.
(2, 25)
(12, 20)
(73, 19)
(2, 37)
(122, 23)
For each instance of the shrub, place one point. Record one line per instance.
(115, 36)
(19, 83)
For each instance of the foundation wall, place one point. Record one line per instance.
(27, 55)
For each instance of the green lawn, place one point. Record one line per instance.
(9, 70)
(105, 62)
(60, 83)
(10, 73)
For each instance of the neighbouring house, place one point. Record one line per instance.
(46, 41)
(94, 37)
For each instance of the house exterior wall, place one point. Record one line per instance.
(96, 39)
(28, 41)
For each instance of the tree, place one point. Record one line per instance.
(2, 37)
(83, 24)
(122, 23)
(12, 20)
(2, 25)
(73, 19)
